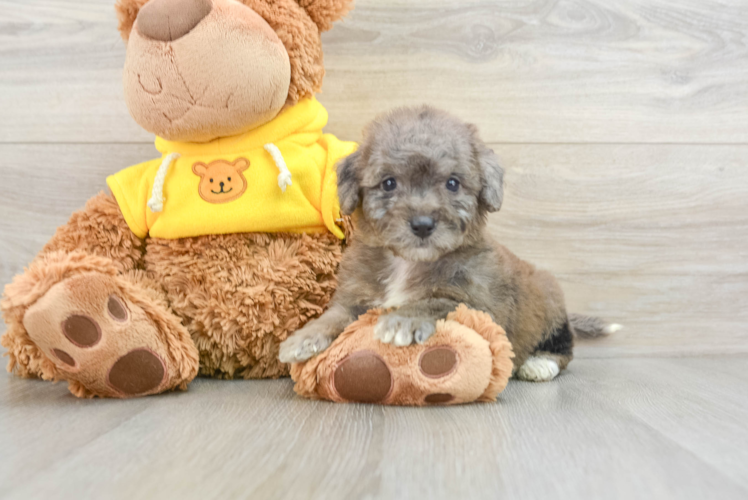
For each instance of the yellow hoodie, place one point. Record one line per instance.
(278, 177)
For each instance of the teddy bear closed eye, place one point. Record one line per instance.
(220, 180)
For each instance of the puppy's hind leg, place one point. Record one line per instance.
(550, 356)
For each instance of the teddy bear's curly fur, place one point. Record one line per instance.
(217, 304)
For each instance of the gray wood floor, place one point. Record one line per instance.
(623, 129)
(618, 428)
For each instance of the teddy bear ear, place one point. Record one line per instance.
(326, 12)
(127, 11)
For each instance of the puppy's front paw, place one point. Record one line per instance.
(302, 346)
(402, 331)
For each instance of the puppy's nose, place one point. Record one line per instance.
(168, 20)
(221, 184)
(422, 226)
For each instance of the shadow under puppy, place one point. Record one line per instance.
(419, 189)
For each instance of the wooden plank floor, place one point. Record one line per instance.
(625, 428)
(623, 128)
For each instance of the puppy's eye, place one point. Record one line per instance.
(229, 179)
(453, 184)
(211, 180)
(389, 184)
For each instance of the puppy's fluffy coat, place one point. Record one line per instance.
(419, 189)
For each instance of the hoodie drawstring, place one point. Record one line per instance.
(284, 177)
(156, 203)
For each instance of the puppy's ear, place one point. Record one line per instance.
(491, 173)
(492, 179)
(348, 188)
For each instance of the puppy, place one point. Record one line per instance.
(419, 189)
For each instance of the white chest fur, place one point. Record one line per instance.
(395, 292)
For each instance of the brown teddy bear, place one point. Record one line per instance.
(205, 259)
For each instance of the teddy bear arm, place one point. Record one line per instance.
(99, 229)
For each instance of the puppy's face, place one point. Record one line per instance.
(420, 185)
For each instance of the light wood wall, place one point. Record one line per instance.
(622, 124)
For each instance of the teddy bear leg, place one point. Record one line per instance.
(97, 229)
(74, 317)
(94, 321)
(110, 337)
(467, 359)
(366, 377)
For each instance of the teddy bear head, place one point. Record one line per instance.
(196, 70)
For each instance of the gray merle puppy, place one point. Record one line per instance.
(419, 189)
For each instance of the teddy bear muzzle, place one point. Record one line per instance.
(169, 20)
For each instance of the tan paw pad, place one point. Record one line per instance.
(438, 362)
(438, 398)
(116, 308)
(363, 377)
(81, 330)
(137, 372)
(64, 357)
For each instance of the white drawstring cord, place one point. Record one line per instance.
(156, 203)
(284, 177)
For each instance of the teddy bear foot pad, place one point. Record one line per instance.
(364, 376)
(100, 339)
(469, 358)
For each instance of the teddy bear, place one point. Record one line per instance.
(203, 260)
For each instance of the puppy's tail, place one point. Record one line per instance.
(589, 327)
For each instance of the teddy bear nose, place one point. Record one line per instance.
(168, 20)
